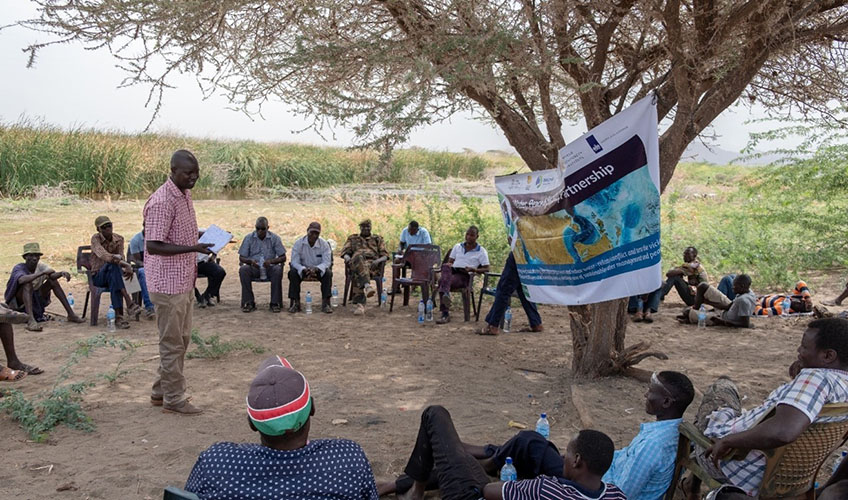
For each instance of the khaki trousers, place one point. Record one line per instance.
(173, 317)
(713, 295)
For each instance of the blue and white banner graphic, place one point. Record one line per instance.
(589, 230)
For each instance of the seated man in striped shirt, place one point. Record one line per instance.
(819, 377)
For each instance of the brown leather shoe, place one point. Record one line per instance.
(185, 408)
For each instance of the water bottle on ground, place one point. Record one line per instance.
(110, 320)
(787, 304)
(839, 460)
(384, 297)
(508, 472)
(421, 312)
(428, 310)
(543, 427)
(334, 299)
(71, 300)
(507, 319)
(308, 302)
(702, 317)
(263, 273)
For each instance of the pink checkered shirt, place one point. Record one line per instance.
(169, 217)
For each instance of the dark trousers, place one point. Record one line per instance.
(295, 279)
(214, 277)
(680, 284)
(450, 279)
(249, 273)
(111, 277)
(439, 451)
(642, 303)
(507, 284)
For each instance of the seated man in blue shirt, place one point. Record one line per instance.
(414, 234)
(287, 464)
(643, 469)
(136, 258)
(311, 258)
(261, 256)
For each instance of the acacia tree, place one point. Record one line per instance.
(384, 67)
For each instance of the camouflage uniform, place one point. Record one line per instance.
(362, 252)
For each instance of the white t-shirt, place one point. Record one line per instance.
(472, 258)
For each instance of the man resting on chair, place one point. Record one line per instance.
(819, 378)
(465, 259)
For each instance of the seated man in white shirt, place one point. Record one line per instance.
(819, 378)
(465, 258)
(311, 258)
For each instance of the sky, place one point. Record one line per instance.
(72, 87)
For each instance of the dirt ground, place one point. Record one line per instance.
(377, 372)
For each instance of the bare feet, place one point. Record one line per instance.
(637, 317)
(33, 326)
(75, 319)
(386, 488)
(415, 493)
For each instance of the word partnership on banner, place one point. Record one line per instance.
(589, 230)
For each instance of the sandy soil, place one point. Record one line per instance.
(377, 372)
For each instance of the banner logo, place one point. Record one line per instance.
(594, 144)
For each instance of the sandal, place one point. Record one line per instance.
(33, 326)
(30, 370)
(9, 375)
(489, 330)
(533, 329)
(246, 308)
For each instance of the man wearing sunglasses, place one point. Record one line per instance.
(262, 255)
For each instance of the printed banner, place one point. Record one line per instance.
(589, 230)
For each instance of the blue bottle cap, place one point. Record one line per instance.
(544, 415)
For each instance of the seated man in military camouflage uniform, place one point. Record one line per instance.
(364, 253)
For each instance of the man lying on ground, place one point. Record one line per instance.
(819, 378)
(736, 312)
(439, 454)
(287, 464)
(772, 305)
(15, 369)
(643, 469)
(29, 287)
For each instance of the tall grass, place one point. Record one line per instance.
(89, 162)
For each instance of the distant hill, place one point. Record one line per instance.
(698, 152)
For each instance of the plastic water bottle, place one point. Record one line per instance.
(702, 317)
(543, 427)
(308, 302)
(508, 472)
(428, 310)
(384, 297)
(507, 319)
(839, 460)
(263, 273)
(334, 299)
(71, 300)
(787, 304)
(421, 312)
(110, 319)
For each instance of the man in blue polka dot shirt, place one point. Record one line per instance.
(286, 465)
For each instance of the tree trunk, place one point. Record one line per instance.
(597, 331)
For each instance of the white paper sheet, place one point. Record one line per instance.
(215, 235)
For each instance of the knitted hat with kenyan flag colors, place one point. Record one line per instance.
(279, 400)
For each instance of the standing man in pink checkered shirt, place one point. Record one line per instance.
(171, 267)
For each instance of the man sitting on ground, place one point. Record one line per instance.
(772, 305)
(465, 259)
(287, 464)
(735, 313)
(643, 469)
(261, 249)
(510, 283)
(29, 286)
(15, 369)
(364, 253)
(108, 269)
(819, 378)
(686, 277)
(136, 258)
(311, 259)
(439, 454)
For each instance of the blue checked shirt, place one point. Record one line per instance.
(808, 392)
(644, 468)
